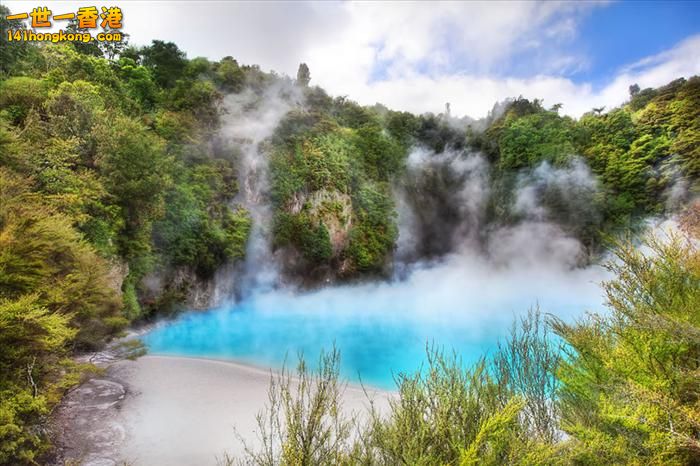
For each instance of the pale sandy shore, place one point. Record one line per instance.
(162, 410)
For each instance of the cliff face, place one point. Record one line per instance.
(182, 288)
(330, 214)
(117, 272)
(327, 184)
(333, 209)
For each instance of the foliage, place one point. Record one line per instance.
(196, 230)
(438, 413)
(302, 231)
(303, 75)
(526, 365)
(303, 422)
(343, 150)
(535, 138)
(53, 297)
(229, 75)
(381, 155)
(624, 391)
(166, 60)
(92, 149)
(639, 153)
(374, 233)
(19, 95)
(10, 53)
(631, 382)
(443, 414)
(103, 140)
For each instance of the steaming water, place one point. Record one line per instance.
(466, 302)
(381, 329)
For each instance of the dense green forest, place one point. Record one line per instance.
(113, 171)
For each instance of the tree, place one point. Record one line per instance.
(634, 90)
(31, 339)
(527, 141)
(54, 296)
(136, 172)
(10, 53)
(113, 49)
(91, 47)
(133, 53)
(303, 75)
(138, 82)
(166, 60)
(229, 75)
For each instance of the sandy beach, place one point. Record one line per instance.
(162, 410)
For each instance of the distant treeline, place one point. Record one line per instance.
(112, 172)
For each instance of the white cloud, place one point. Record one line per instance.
(475, 95)
(411, 56)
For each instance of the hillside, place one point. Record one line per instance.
(126, 192)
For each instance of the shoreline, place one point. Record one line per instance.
(173, 410)
(271, 370)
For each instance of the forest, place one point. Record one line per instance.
(120, 202)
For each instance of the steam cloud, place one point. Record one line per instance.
(250, 119)
(482, 276)
(461, 278)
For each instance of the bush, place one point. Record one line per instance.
(619, 388)
(20, 95)
(374, 232)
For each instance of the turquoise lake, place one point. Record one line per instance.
(380, 329)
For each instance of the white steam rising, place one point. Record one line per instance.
(440, 204)
(452, 263)
(573, 185)
(250, 119)
(489, 274)
(461, 276)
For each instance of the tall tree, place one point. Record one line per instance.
(167, 61)
(303, 75)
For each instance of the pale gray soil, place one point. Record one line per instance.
(171, 411)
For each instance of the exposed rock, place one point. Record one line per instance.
(296, 203)
(198, 293)
(87, 426)
(183, 287)
(88, 430)
(117, 272)
(334, 210)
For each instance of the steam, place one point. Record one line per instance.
(482, 275)
(462, 275)
(574, 186)
(250, 119)
(441, 203)
(446, 233)
(443, 209)
(677, 192)
(486, 271)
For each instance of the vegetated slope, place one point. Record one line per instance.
(118, 195)
(336, 164)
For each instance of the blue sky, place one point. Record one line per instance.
(417, 56)
(625, 32)
(603, 39)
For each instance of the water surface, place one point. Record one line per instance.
(380, 329)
